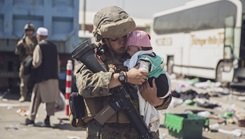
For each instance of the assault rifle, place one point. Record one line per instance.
(120, 99)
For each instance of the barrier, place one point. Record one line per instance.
(68, 85)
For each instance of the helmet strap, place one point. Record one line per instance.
(104, 40)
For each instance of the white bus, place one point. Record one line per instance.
(204, 38)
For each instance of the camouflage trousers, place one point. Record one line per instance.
(111, 131)
(24, 79)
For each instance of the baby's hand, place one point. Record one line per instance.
(143, 66)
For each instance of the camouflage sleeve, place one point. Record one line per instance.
(19, 49)
(91, 84)
(165, 103)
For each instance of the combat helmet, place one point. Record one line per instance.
(29, 26)
(112, 22)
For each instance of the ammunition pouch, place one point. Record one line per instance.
(77, 110)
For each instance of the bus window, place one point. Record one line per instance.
(209, 16)
(201, 42)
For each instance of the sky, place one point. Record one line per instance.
(136, 8)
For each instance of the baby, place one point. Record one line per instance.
(140, 50)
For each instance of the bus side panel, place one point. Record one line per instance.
(195, 54)
(206, 50)
(165, 46)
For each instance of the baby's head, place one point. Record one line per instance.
(138, 40)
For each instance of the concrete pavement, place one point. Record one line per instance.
(11, 122)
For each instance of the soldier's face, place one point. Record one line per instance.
(118, 45)
(29, 33)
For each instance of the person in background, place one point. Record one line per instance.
(46, 89)
(111, 27)
(142, 56)
(24, 49)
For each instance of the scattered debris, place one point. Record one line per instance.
(236, 132)
(12, 127)
(73, 137)
(22, 112)
(4, 100)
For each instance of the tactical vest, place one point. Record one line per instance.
(114, 64)
(114, 61)
(28, 48)
(30, 45)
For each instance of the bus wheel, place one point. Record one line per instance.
(219, 70)
(170, 65)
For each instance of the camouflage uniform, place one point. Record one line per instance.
(27, 48)
(94, 87)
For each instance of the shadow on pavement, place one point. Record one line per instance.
(14, 96)
(67, 126)
(63, 126)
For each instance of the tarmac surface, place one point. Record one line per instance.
(12, 117)
(12, 123)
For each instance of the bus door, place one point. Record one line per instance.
(242, 49)
(239, 52)
(186, 53)
(229, 38)
(225, 70)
